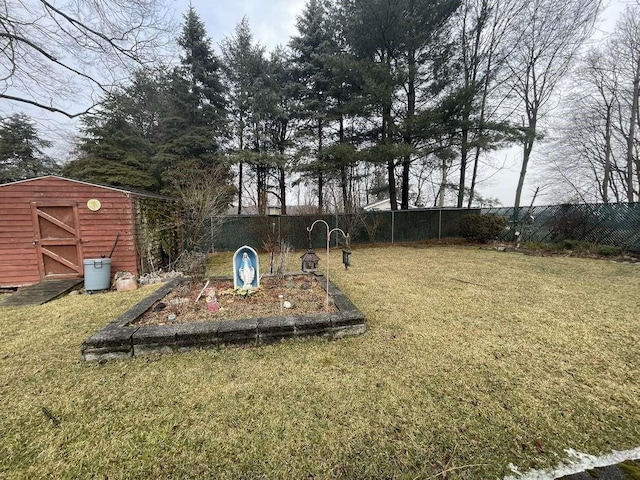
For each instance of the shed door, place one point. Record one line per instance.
(57, 239)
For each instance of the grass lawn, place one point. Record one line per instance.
(474, 359)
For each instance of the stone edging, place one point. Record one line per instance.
(119, 339)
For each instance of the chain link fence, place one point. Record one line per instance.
(366, 227)
(616, 224)
(602, 224)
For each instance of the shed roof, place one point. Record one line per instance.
(138, 193)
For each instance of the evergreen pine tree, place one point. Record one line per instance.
(312, 49)
(194, 123)
(244, 69)
(119, 140)
(21, 150)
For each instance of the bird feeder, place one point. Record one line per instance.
(346, 258)
(273, 211)
(310, 261)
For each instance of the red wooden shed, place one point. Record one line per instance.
(49, 225)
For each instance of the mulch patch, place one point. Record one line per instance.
(303, 293)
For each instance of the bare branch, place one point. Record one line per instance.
(54, 56)
(45, 107)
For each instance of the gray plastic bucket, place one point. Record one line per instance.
(97, 273)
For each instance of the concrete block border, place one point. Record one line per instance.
(121, 339)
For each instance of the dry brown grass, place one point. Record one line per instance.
(472, 357)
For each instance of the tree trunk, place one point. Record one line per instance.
(483, 108)
(471, 76)
(607, 157)
(631, 137)
(240, 166)
(386, 139)
(526, 154)
(320, 176)
(474, 176)
(391, 163)
(464, 152)
(343, 170)
(343, 186)
(408, 133)
(283, 190)
(443, 183)
(282, 169)
(240, 187)
(320, 192)
(262, 189)
(404, 189)
(391, 172)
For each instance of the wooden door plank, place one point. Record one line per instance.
(36, 240)
(61, 260)
(58, 241)
(57, 222)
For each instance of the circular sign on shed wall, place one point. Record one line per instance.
(94, 205)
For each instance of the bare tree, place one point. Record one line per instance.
(602, 74)
(627, 51)
(585, 155)
(203, 195)
(576, 163)
(550, 35)
(484, 44)
(597, 155)
(52, 53)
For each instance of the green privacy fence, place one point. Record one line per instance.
(367, 227)
(616, 224)
(603, 224)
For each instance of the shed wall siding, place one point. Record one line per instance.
(18, 256)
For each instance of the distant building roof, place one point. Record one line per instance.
(378, 206)
(291, 210)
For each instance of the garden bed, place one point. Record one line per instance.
(133, 334)
(292, 294)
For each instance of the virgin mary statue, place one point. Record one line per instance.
(246, 272)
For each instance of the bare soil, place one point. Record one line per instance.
(303, 292)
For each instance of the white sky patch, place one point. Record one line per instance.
(577, 462)
(272, 23)
(280, 26)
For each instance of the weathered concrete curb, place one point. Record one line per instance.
(119, 339)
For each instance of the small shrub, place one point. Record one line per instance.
(283, 259)
(569, 244)
(608, 251)
(193, 265)
(577, 246)
(482, 228)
